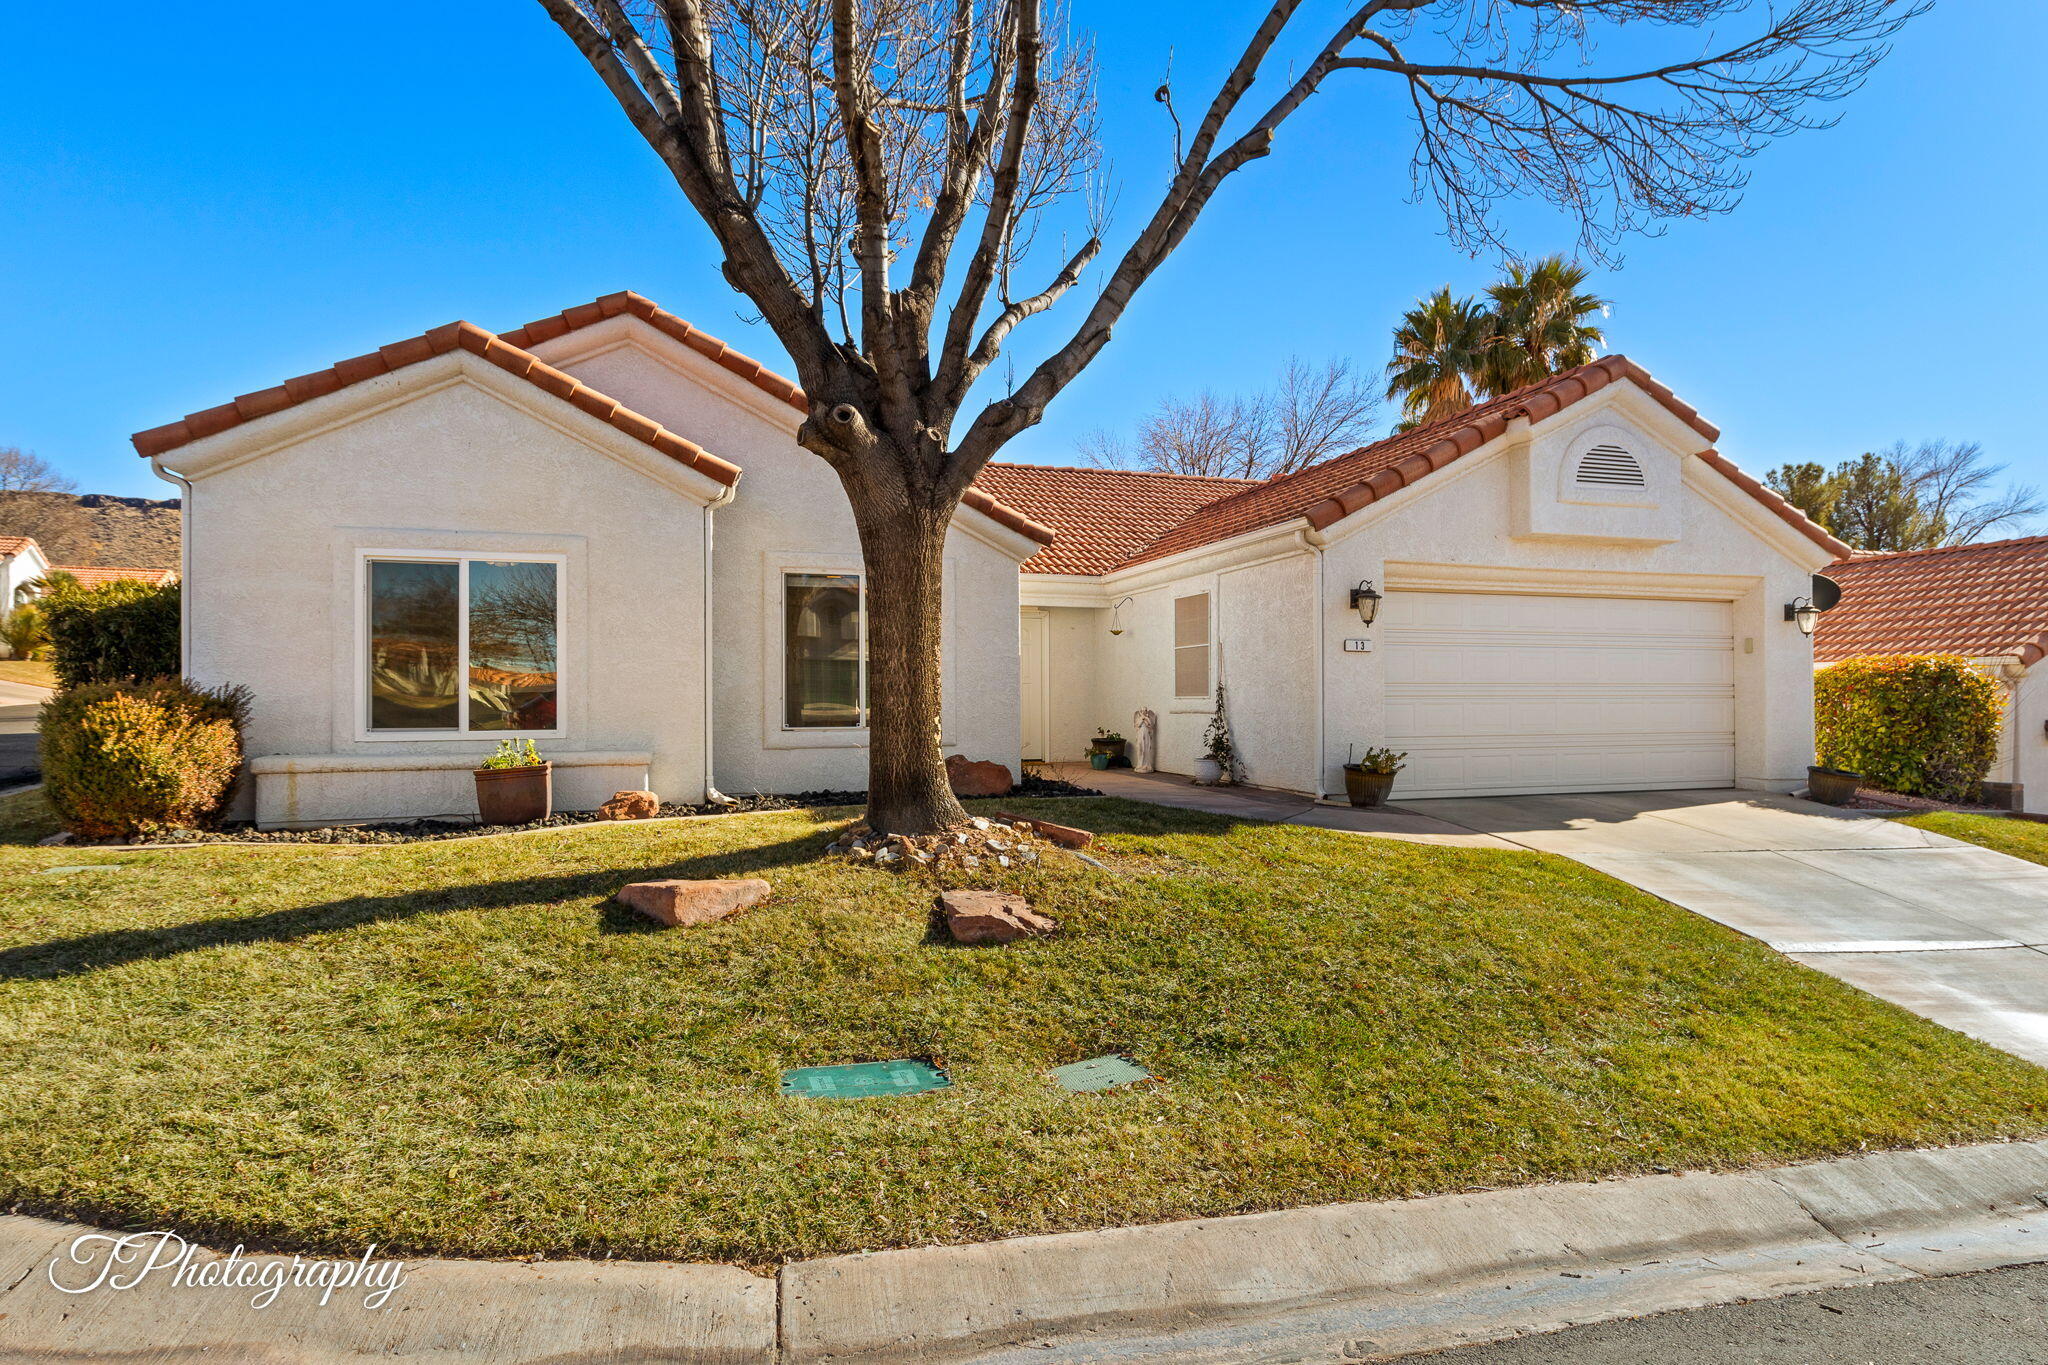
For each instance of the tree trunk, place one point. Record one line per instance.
(905, 552)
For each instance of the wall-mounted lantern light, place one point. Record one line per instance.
(1365, 601)
(1805, 611)
(1116, 617)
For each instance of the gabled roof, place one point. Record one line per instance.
(1982, 601)
(10, 546)
(1326, 493)
(466, 336)
(99, 575)
(1104, 516)
(629, 304)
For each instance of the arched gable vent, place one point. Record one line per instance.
(1610, 465)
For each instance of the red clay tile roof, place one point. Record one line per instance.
(1104, 516)
(10, 546)
(1328, 492)
(97, 576)
(1982, 601)
(465, 336)
(639, 306)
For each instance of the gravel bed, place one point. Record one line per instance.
(424, 831)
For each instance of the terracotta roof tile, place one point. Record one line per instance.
(451, 336)
(99, 575)
(11, 546)
(1983, 601)
(1104, 516)
(639, 306)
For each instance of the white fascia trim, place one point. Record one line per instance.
(628, 330)
(1062, 590)
(1753, 516)
(239, 445)
(1408, 576)
(1238, 552)
(982, 527)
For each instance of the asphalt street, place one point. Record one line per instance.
(1999, 1317)
(18, 706)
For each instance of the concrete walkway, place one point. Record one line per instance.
(1956, 933)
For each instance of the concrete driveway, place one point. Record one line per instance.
(1953, 932)
(18, 706)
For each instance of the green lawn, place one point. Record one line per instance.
(28, 671)
(2021, 838)
(462, 1048)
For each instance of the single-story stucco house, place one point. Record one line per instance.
(1987, 602)
(598, 531)
(22, 564)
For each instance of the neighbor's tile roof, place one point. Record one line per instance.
(10, 546)
(441, 340)
(1104, 516)
(99, 575)
(1982, 601)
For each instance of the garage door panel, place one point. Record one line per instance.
(1499, 693)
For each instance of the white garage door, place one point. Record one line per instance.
(1492, 693)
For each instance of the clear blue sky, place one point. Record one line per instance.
(194, 207)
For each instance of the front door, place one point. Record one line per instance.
(1032, 652)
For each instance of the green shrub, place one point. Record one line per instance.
(25, 633)
(123, 632)
(1920, 724)
(124, 758)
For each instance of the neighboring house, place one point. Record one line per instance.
(598, 531)
(21, 563)
(1575, 592)
(1986, 602)
(99, 575)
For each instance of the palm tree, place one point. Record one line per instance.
(1438, 348)
(1541, 326)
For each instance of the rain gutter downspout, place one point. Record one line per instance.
(1316, 542)
(712, 795)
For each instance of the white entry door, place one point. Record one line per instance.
(1498, 693)
(1032, 652)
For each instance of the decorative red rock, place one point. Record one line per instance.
(1066, 836)
(977, 777)
(978, 917)
(630, 806)
(683, 903)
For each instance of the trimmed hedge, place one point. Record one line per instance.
(124, 758)
(1918, 724)
(123, 632)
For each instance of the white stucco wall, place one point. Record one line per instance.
(2022, 740)
(447, 455)
(790, 514)
(19, 570)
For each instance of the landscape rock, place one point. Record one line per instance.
(977, 777)
(630, 806)
(682, 903)
(980, 917)
(1066, 836)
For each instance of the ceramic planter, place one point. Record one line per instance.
(1208, 771)
(1099, 760)
(1366, 788)
(1832, 786)
(515, 796)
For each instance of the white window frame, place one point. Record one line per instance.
(359, 665)
(1207, 698)
(778, 615)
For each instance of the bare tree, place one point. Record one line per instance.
(851, 155)
(1954, 485)
(1309, 413)
(35, 501)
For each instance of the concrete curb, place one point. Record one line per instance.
(1345, 1282)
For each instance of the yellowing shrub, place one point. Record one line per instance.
(1921, 724)
(124, 758)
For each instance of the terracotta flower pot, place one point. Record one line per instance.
(515, 796)
(1832, 786)
(1366, 788)
(1113, 747)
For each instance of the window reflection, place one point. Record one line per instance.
(414, 618)
(511, 645)
(822, 651)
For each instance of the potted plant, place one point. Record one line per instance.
(1832, 786)
(515, 786)
(1218, 765)
(1107, 742)
(1098, 759)
(1369, 778)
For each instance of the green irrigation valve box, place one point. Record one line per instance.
(1100, 1073)
(863, 1080)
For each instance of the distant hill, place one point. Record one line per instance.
(97, 529)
